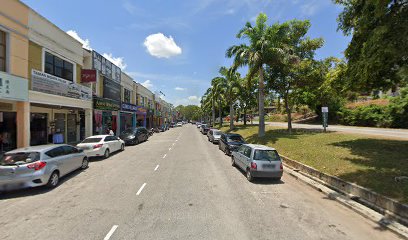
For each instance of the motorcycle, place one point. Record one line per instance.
(151, 131)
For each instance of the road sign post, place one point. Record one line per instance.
(325, 115)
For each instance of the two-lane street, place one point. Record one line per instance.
(177, 185)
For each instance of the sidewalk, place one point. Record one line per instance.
(383, 132)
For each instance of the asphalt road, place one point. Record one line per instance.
(177, 186)
(381, 132)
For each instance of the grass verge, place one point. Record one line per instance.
(369, 162)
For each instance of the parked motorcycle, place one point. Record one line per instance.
(151, 131)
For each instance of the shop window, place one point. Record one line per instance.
(126, 97)
(58, 67)
(2, 51)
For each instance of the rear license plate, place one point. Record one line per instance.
(270, 166)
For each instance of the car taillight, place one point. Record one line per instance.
(97, 146)
(37, 165)
(281, 166)
(253, 165)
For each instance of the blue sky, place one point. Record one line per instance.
(177, 46)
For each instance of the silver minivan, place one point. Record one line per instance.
(258, 161)
(39, 165)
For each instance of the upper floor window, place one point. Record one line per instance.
(59, 67)
(2, 51)
(126, 96)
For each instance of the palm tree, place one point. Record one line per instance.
(231, 89)
(218, 85)
(255, 56)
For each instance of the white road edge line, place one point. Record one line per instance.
(169, 149)
(156, 168)
(113, 229)
(174, 144)
(140, 189)
(164, 155)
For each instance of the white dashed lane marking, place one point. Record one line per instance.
(157, 167)
(110, 232)
(140, 189)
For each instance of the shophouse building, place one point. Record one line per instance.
(106, 91)
(129, 109)
(14, 105)
(142, 101)
(60, 106)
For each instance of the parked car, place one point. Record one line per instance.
(214, 135)
(204, 129)
(198, 124)
(230, 142)
(258, 161)
(133, 136)
(39, 165)
(179, 124)
(101, 145)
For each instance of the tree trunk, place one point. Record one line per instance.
(245, 113)
(261, 128)
(220, 112)
(289, 112)
(231, 116)
(279, 105)
(213, 112)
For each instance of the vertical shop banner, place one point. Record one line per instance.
(111, 89)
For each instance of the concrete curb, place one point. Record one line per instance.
(383, 221)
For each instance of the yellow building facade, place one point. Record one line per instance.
(14, 105)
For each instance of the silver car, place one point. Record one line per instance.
(214, 135)
(258, 161)
(39, 165)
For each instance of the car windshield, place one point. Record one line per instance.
(266, 155)
(19, 158)
(235, 138)
(129, 131)
(91, 140)
(217, 133)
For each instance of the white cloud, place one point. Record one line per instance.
(118, 61)
(160, 46)
(310, 8)
(129, 7)
(147, 84)
(191, 100)
(180, 89)
(85, 42)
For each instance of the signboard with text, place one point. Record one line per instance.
(105, 104)
(88, 75)
(13, 87)
(129, 107)
(47, 83)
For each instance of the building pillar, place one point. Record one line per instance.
(23, 124)
(144, 120)
(88, 122)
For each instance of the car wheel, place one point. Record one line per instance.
(233, 161)
(54, 180)
(107, 153)
(249, 175)
(122, 147)
(85, 163)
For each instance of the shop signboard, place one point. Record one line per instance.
(106, 104)
(13, 87)
(111, 89)
(129, 107)
(88, 75)
(107, 68)
(47, 83)
(141, 110)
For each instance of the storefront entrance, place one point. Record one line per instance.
(38, 129)
(71, 128)
(8, 134)
(126, 121)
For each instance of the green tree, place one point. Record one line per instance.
(218, 85)
(246, 96)
(231, 89)
(293, 71)
(255, 55)
(377, 54)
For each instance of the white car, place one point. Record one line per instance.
(101, 145)
(179, 124)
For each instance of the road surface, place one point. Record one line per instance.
(177, 185)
